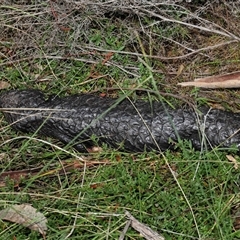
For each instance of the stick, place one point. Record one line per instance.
(144, 230)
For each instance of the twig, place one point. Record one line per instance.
(75, 219)
(143, 229)
(193, 52)
(123, 234)
(223, 33)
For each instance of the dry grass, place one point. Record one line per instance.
(181, 40)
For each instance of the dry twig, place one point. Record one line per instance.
(143, 229)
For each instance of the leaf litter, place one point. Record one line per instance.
(27, 216)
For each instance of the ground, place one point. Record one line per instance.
(137, 48)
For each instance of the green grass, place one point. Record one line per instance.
(181, 194)
(141, 184)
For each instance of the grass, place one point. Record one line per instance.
(61, 49)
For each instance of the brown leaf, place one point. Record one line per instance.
(230, 80)
(27, 216)
(180, 70)
(4, 85)
(96, 185)
(233, 160)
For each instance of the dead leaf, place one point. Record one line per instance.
(107, 57)
(4, 85)
(180, 70)
(233, 160)
(27, 216)
(230, 80)
(96, 185)
(236, 216)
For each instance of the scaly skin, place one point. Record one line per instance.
(144, 126)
